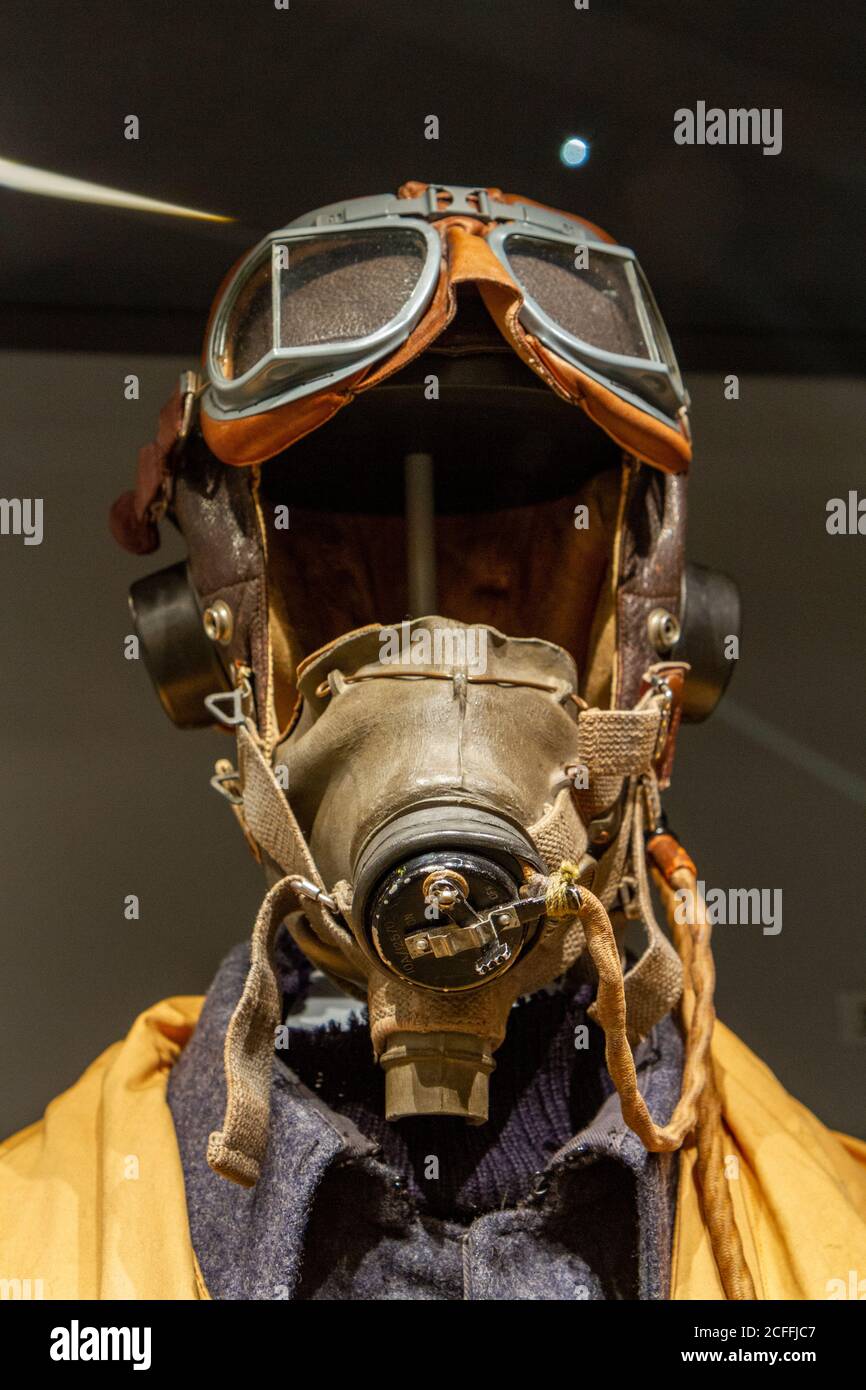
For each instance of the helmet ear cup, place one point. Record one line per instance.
(711, 616)
(181, 660)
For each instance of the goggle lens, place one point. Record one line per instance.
(590, 294)
(329, 289)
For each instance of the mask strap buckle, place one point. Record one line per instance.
(662, 690)
(227, 706)
(233, 714)
(306, 889)
(226, 781)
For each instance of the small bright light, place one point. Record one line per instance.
(574, 152)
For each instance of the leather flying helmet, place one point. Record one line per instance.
(448, 617)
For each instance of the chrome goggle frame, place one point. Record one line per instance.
(299, 371)
(294, 372)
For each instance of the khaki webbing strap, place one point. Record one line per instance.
(236, 1151)
(273, 825)
(618, 742)
(654, 985)
(268, 813)
(614, 744)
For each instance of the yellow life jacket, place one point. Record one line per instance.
(92, 1202)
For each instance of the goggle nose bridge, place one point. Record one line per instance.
(478, 203)
(462, 201)
(471, 202)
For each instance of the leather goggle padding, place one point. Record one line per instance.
(471, 260)
(650, 440)
(257, 438)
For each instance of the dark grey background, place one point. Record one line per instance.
(103, 797)
(757, 264)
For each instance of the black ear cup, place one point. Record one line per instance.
(711, 616)
(181, 660)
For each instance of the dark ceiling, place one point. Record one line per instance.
(264, 113)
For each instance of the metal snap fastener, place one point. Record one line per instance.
(218, 622)
(663, 629)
